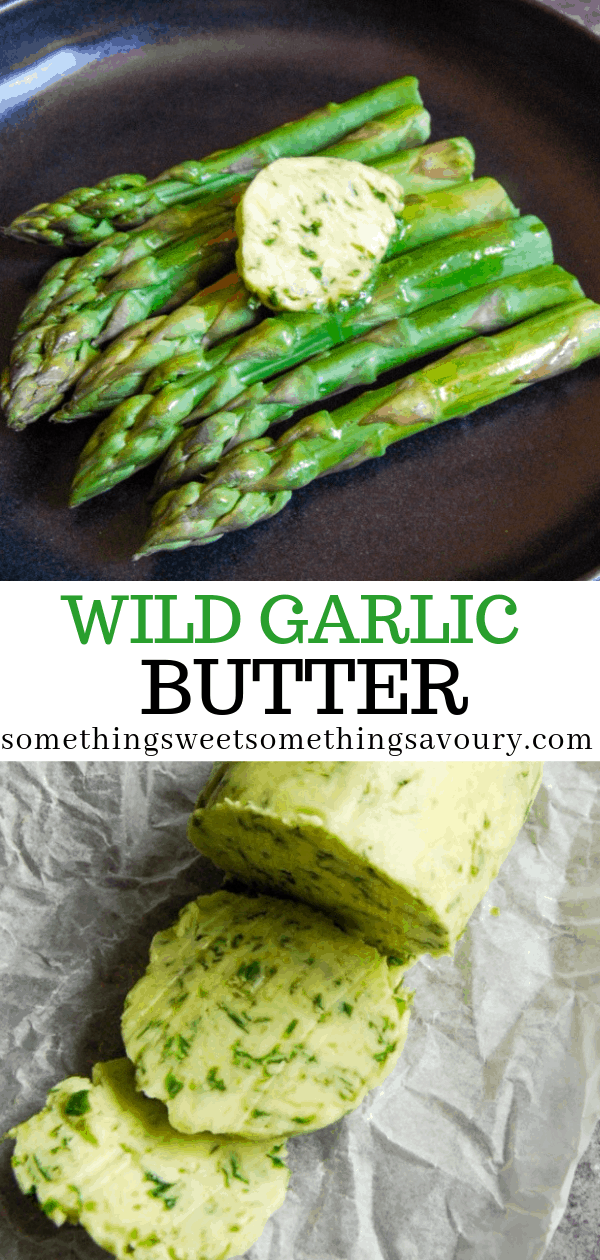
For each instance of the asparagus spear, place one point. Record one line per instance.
(119, 372)
(257, 479)
(86, 215)
(84, 279)
(360, 362)
(142, 428)
(431, 216)
(379, 138)
(48, 359)
(422, 276)
(128, 360)
(207, 214)
(431, 166)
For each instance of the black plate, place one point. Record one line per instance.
(512, 492)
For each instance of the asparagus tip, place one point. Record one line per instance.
(81, 492)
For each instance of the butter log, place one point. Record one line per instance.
(259, 1016)
(101, 1155)
(402, 854)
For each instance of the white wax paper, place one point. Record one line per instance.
(467, 1151)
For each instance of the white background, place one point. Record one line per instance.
(543, 682)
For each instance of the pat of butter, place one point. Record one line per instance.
(260, 1017)
(311, 230)
(102, 1155)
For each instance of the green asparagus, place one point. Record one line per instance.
(121, 370)
(81, 277)
(361, 362)
(87, 215)
(419, 170)
(46, 360)
(437, 165)
(211, 215)
(212, 315)
(72, 287)
(418, 278)
(257, 479)
(142, 428)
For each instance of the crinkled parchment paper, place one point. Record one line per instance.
(467, 1151)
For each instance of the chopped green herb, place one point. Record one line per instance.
(44, 1171)
(178, 1001)
(383, 1054)
(176, 1047)
(236, 1019)
(314, 227)
(242, 1058)
(161, 1189)
(152, 1023)
(50, 1206)
(172, 1085)
(236, 1169)
(213, 1081)
(249, 971)
(78, 1103)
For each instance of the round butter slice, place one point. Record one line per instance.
(311, 230)
(401, 853)
(261, 1017)
(102, 1155)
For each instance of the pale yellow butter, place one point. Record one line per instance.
(102, 1155)
(311, 230)
(401, 853)
(260, 1016)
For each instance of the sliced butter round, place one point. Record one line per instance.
(402, 853)
(102, 1155)
(311, 230)
(259, 1016)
